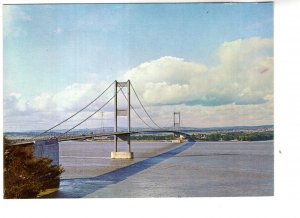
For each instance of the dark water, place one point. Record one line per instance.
(167, 170)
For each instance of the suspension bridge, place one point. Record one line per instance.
(124, 89)
(185, 170)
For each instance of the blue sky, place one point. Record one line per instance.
(50, 47)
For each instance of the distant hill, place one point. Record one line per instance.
(228, 128)
(27, 134)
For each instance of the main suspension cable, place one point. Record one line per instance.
(92, 113)
(137, 112)
(74, 113)
(144, 107)
(167, 123)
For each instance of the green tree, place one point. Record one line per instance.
(26, 176)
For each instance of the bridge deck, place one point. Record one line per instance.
(83, 137)
(121, 133)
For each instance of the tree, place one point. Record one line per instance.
(25, 176)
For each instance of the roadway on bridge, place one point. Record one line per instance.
(166, 170)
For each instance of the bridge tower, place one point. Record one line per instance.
(122, 112)
(176, 124)
(176, 119)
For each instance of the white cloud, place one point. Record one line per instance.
(244, 75)
(14, 104)
(236, 91)
(20, 114)
(73, 95)
(211, 116)
(46, 110)
(166, 80)
(228, 115)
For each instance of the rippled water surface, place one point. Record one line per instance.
(162, 169)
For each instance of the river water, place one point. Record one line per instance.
(162, 169)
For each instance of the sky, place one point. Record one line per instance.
(211, 62)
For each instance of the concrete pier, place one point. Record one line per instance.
(121, 155)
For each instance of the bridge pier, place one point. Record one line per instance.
(121, 155)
